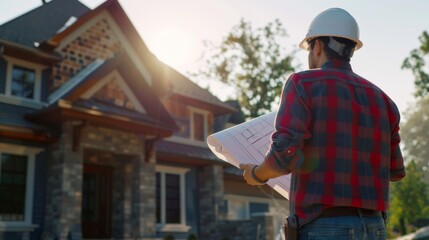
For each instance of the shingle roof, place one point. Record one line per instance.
(185, 87)
(41, 23)
(185, 150)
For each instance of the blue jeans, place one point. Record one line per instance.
(342, 228)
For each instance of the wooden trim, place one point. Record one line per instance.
(29, 54)
(66, 112)
(28, 136)
(149, 149)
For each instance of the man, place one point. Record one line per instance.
(337, 134)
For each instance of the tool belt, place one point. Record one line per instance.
(291, 227)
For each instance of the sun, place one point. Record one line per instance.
(171, 46)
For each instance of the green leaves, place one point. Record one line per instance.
(254, 63)
(417, 64)
(410, 199)
(410, 196)
(415, 136)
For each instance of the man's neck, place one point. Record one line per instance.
(322, 60)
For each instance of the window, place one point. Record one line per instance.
(240, 207)
(256, 207)
(16, 186)
(199, 125)
(194, 124)
(23, 83)
(170, 198)
(199, 128)
(13, 179)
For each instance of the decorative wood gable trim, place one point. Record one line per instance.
(75, 81)
(116, 78)
(72, 46)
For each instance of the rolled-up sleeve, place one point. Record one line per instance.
(291, 128)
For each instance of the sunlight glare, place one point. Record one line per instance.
(171, 46)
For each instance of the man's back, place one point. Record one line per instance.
(347, 158)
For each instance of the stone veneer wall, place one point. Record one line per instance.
(133, 194)
(210, 179)
(260, 227)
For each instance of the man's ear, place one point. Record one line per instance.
(318, 47)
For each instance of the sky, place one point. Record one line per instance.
(175, 31)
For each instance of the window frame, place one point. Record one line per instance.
(7, 96)
(171, 227)
(245, 202)
(30, 152)
(206, 124)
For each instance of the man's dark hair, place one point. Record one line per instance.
(330, 53)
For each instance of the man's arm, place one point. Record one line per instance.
(397, 170)
(261, 173)
(291, 128)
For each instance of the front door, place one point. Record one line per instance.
(97, 201)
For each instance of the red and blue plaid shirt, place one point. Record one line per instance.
(337, 133)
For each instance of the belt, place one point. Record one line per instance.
(349, 211)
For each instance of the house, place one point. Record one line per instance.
(101, 140)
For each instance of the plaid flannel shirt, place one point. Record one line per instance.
(338, 134)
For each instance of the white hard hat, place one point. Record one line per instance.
(333, 22)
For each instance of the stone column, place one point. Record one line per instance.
(210, 190)
(144, 195)
(122, 181)
(64, 186)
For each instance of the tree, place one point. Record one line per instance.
(409, 200)
(253, 63)
(416, 63)
(415, 136)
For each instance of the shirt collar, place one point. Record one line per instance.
(337, 64)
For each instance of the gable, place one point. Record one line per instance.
(113, 89)
(98, 38)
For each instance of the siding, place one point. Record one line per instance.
(39, 197)
(44, 94)
(3, 70)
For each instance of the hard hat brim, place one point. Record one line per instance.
(304, 43)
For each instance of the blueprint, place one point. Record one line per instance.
(248, 143)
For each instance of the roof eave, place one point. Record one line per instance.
(65, 111)
(25, 134)
(31, 54)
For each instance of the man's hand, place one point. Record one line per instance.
(247, 174)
